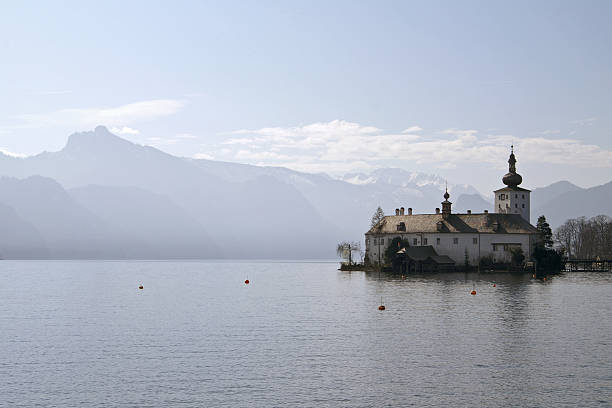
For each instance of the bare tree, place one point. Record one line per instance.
(586, 238)
(345, 250)
(378, 215)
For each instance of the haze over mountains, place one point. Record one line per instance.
(104, 197)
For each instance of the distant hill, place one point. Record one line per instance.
(67, 229)
(474, 202)
(128, 200)
(573, 202)
(147, 225)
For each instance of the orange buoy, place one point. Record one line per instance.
(246, 282)
(494, 285)
(533, 276)
(141, 287)
(381, 307)
(544, 278)
(473, 292)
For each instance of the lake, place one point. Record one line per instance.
(81, 333)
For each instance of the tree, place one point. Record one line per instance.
(377, 217)
(586, 238)
(345, 250)
(517, 256)
(545, 232)
(395, 245)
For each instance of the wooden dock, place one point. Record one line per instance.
(588, 265)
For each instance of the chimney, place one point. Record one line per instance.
(397, 211)
(437, 211)
(469, 211)
(486, 211)
(402, 211)
(410, 211)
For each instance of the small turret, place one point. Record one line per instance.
(446, 205)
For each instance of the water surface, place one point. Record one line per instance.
(301, 334)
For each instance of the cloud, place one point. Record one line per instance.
(412, 129)
(549, 132)
(340, 146)
(125, 131)
(583, 122)
(186, 136)
(111, 116)
(11, 154)
(205, 156)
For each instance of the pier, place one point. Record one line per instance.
(588, 265)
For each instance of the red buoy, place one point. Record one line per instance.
(141, 287)
(246, 282)
(494, 285)
(381, 307)
(473, 292)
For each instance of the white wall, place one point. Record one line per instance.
(447, 246)
(514, 202)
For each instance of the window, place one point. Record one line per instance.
(437, 241)
(516, 196)
(375, 241)
(414, 241)
(523, 205)
(368, 241)
(455, 241)
(523, 196)
(424, 241)
(382, 241)
(475, 241)
(502, 196)
(515, 205)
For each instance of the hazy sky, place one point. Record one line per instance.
(438, 87)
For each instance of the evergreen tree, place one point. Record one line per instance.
(395, 245)
(378, 215)
(545, 232)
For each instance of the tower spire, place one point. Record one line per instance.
(512, 178)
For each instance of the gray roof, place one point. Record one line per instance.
(441, 259)
(418, 253)
(469, 223)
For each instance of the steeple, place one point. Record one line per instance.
(446, 205)
(512, 178)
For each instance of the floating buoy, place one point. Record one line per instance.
(246, 282)
(533, 276)
(544, 278)
(473, 292)
(141, 287)
(381, 307)
(494, 285)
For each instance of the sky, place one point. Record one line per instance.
(337, 87)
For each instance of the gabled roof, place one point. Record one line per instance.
(469, 223)
(418, 253)
(441, 259)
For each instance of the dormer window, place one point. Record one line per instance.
(401, 226)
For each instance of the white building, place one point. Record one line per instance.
(455, 235)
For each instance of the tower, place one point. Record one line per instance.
(512, 199)
(446, 205)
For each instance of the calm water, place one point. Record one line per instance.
(301, 334)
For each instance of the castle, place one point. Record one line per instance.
(445, 237)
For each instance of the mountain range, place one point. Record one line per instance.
(102, 196)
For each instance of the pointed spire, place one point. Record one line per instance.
(512, 178)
